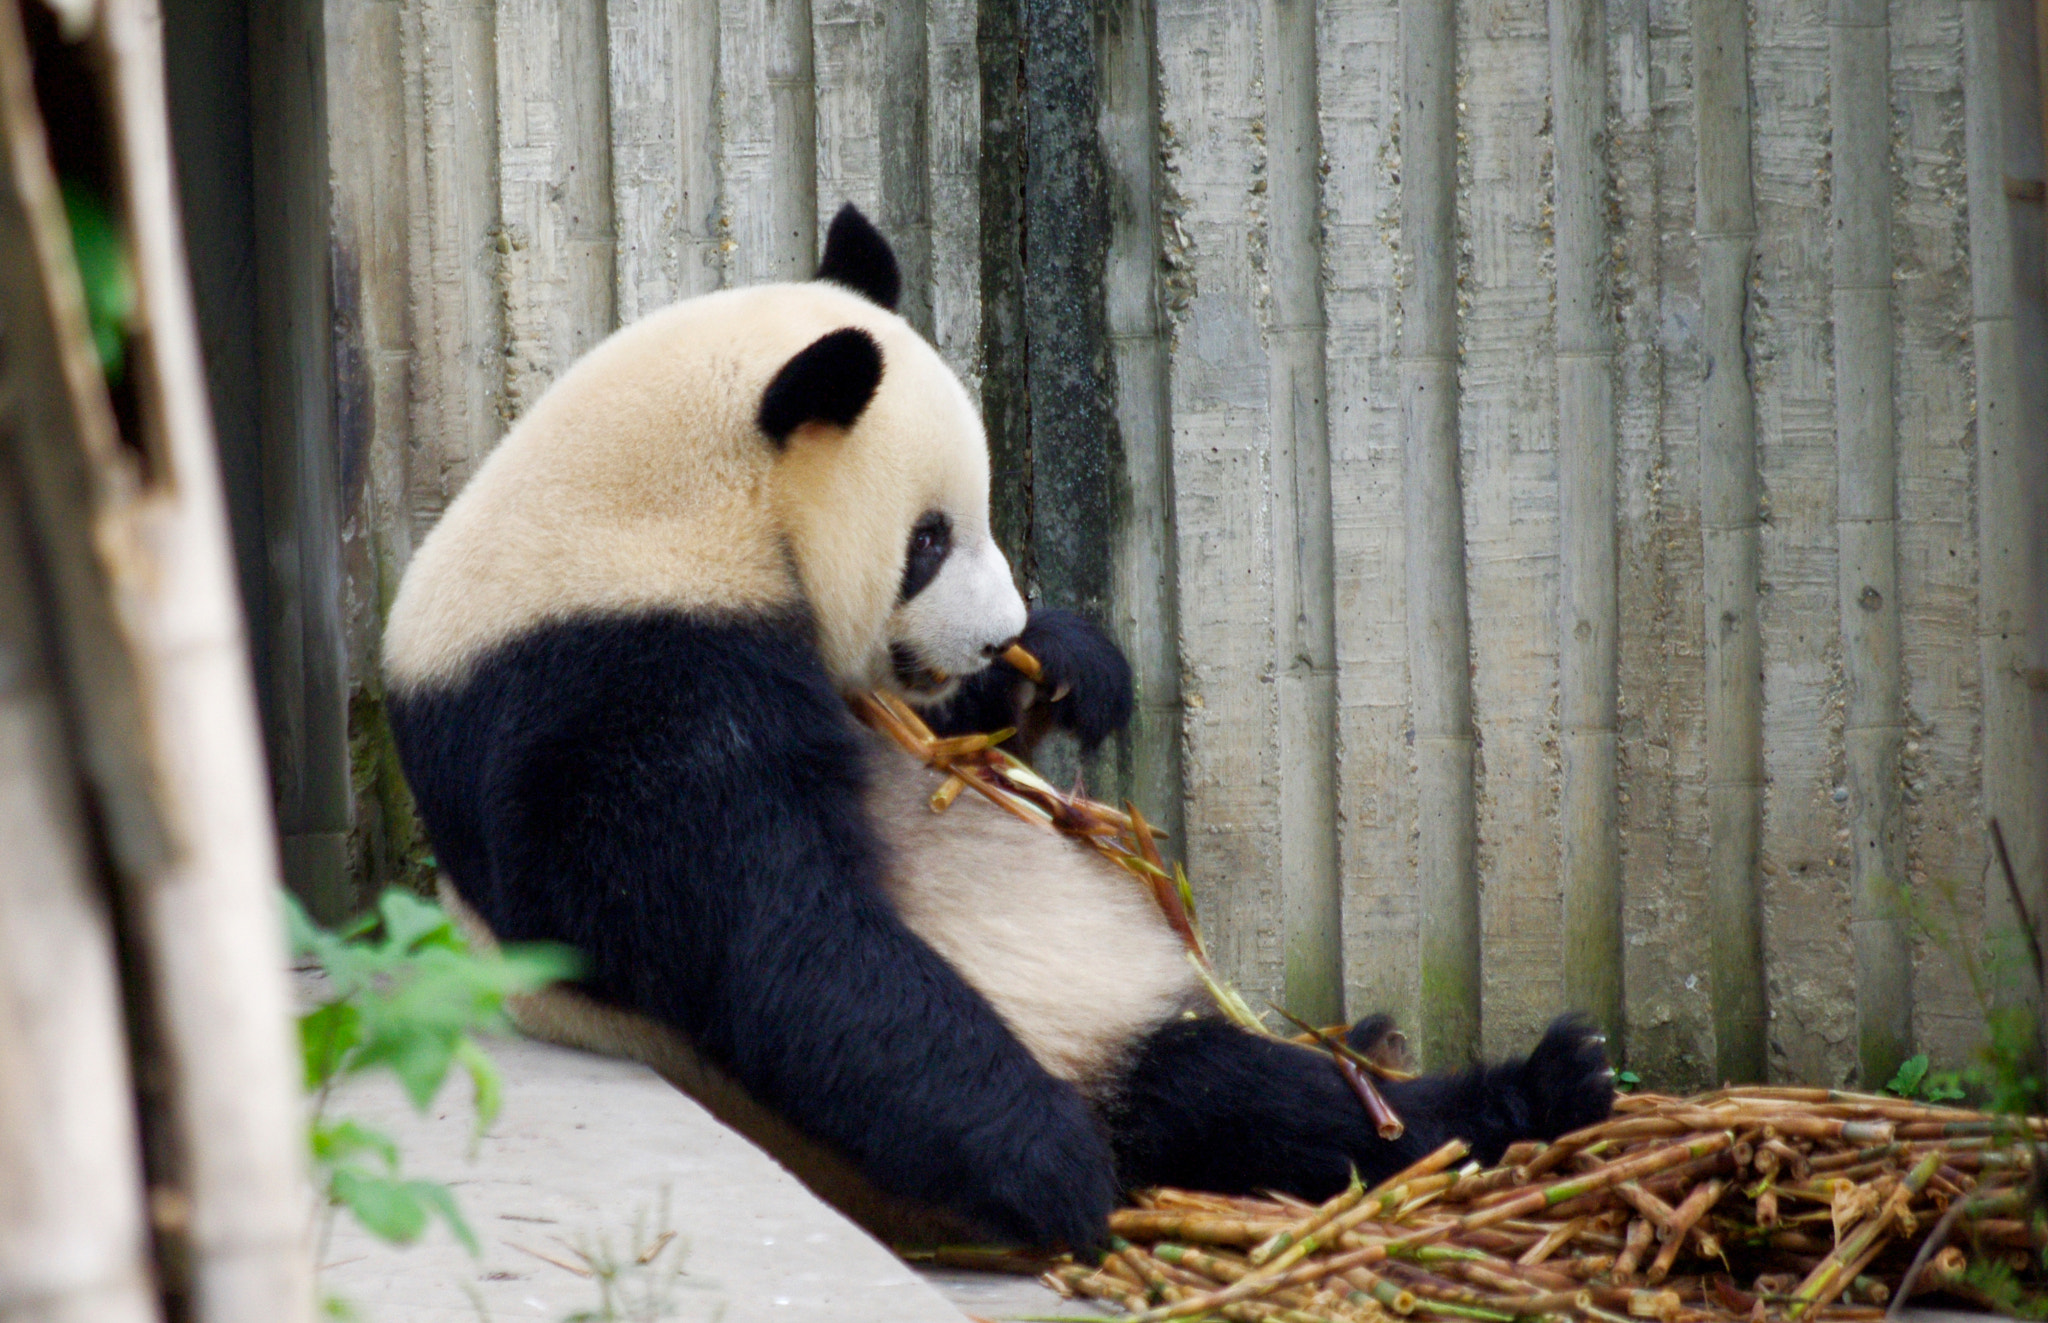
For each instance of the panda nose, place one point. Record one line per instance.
(994, 650)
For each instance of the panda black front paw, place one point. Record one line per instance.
(1566, 1082)
(1084, 687)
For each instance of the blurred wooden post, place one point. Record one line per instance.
(73, 1246)
(130, 534)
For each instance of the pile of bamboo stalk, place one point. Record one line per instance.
(1751, 1203)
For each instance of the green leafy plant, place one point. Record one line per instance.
(1914, 1081)
(105, 272)
(1627, 1081)
(405, 993)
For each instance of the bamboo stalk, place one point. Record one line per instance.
(1609, 1175)
(1682, 1221)
(1439, 662)
(1308, 1226)
(1834, 1273)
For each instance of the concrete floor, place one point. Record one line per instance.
(595, 1165)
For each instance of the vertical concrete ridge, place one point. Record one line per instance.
(458, 381)
(1439, 661)
(1304, 570)
(1588, 615)
(1866, 514)
(2010, 759)
(1146, 593)
(664, 60)
(769, 176)
(1730, 530)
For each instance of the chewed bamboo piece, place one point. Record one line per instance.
(1658, 1213)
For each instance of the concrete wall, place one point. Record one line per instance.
(1555, 465)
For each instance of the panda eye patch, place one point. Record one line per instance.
(931, 540)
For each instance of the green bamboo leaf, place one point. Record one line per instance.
(326, 1036)
(106, 274)
(336, 1142)
(442, 1201)
(410, 922)
(388, 1209)
(483, 1078)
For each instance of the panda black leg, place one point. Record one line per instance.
(1207, 1106)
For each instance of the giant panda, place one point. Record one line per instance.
(616, 673)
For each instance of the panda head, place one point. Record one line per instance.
(882, 489)
(777, 448)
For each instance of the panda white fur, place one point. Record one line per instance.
(616, 671)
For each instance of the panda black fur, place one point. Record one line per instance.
(616, 672)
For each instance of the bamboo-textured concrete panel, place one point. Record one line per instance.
(2011, 759)
(1952, 767)
(1433, 528)
(1806, 839)
(1359, 89)
(1146, 593)
(1663, 772)
(301, 478)
(1947, 760)
(1588, 613)
(1471, 418)
(1209, 60)
(1304, 574)
(458, 373)
(554, 189)
(663, 81)
(1730, 517)
(769, 198)
(873, 92)
(1507, 416)
(1866, 525)
(953, 148)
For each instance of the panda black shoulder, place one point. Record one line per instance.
(634, 738)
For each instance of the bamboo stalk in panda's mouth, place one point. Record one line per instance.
(1023, 662)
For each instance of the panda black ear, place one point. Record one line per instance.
(858, 257)
(830, 381)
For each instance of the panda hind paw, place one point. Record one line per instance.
(1567, 1083)
(1047, 1198)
